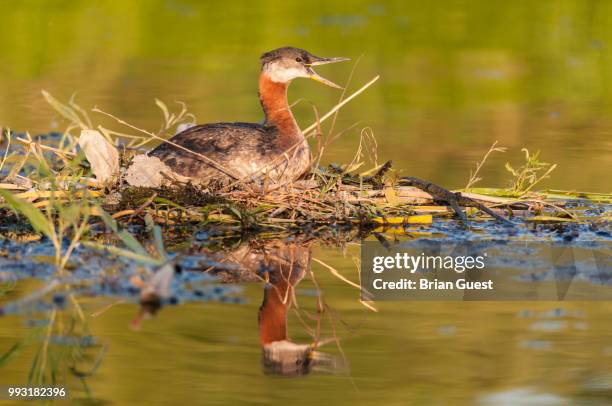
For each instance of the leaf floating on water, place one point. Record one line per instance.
(565, 194)
(549, 219)
(101, 154)
(490, 191)
(419, 219)
(431, 209)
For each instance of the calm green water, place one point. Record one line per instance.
(455, 77)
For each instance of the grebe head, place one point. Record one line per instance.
(285, 64)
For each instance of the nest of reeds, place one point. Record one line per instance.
(86, 163)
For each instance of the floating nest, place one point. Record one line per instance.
(56, 172)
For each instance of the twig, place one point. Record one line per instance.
(453, 199)
(45, 147)
(473, 175)
(338, 106)
(336, 273)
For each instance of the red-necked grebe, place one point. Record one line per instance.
(274, 152)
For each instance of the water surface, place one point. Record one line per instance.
(455, 77)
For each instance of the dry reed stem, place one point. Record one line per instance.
(336, 273)
(45, 147)
(212, 162)
(338, 106)
(474, 175)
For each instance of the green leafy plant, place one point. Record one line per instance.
(532, 172)
(66, 219)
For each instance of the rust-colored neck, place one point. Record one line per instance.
(273, 313)
(273, 98)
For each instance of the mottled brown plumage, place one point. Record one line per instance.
(273, 153)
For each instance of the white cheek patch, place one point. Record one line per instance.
(282, 74)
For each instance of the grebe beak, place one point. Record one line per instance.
(323, 61)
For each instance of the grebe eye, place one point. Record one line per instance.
(298, 59)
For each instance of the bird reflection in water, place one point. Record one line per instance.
(280, 265)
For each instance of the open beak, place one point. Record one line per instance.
(323, 61)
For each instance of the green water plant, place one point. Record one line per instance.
(65, 220)
(65, 352)
(132, 248)
(529, 174)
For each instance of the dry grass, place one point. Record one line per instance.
(50, 174)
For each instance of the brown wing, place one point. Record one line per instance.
(239, 147)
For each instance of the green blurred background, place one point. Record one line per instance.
(455, 75)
